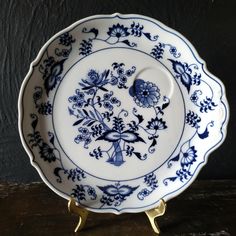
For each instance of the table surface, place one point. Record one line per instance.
(207, 208)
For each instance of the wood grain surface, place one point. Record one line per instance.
(26, 25)
(207, 208)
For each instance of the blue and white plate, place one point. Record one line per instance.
(118, 111)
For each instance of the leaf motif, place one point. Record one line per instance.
(78, 122)
(85, 112)
(51, 80)
(204, 135)
(56, 173)
(35, 121)
(95, 31)
(154, 143)
(91, 123)
(139, 156)
(148, 35)
(103, 89)
(127, 42)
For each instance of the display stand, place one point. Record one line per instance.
(83, 214)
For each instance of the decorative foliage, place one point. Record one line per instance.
(205, 105)
(115, 194)
(46, 151)
(44, 108)
(49, 153)
(93, 96)
(159, 49)
(52, 67)
(81, 192)
(151, 182)
(188, 153)
(145, 94)
(117, 34)
(184, 72)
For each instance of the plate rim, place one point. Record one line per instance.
(168, 196)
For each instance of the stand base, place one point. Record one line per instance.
(83, 214)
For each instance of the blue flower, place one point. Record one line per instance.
(84, 131)
(156, 124)
(120, 71)
(66, 39)
(79, 103)
(114, 100)
(188, 157)
(195, 96)
(108, 105)
(107, 96)
(118, 31)
(79, 94)
(123, 79)
(77, 99)
(87, 140)
(79, 138)
(173, 50)
(145, 94)
(47, 153)
(95, 79)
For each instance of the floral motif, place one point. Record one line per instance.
(206, 104)
(81, 191)
(83, 137)
(195, 96)
(44, 108)
(184, 73)
(188, 153)
(95, 80)
(151, 182)
(97, 125)
(145, 94)
(156, 124)
(66, 39)
(118, 31)
(46, 152)
(188, 157)
(115, 194)
(51, 68)
(159, 49)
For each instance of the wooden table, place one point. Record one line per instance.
(207, 208)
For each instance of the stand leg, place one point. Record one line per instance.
(82, 213)
(153, 213)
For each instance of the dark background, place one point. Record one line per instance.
(25, 25)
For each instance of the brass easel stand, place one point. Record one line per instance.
(83, 214)
(154, 213)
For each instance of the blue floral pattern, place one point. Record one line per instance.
(49, 153)
(151, 181)
(117, 34)
(115, 194)
(97, 123)
(188, 153)
(97, 114)
(145, 94)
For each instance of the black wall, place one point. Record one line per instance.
(25, 25)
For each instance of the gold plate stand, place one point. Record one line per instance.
(83, 214)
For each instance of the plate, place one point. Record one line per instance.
(118, 112)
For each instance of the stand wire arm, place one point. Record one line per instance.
(154, 213)
(81, 212)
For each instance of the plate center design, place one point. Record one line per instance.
(116, 113)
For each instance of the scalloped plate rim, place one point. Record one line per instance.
(35, 62)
